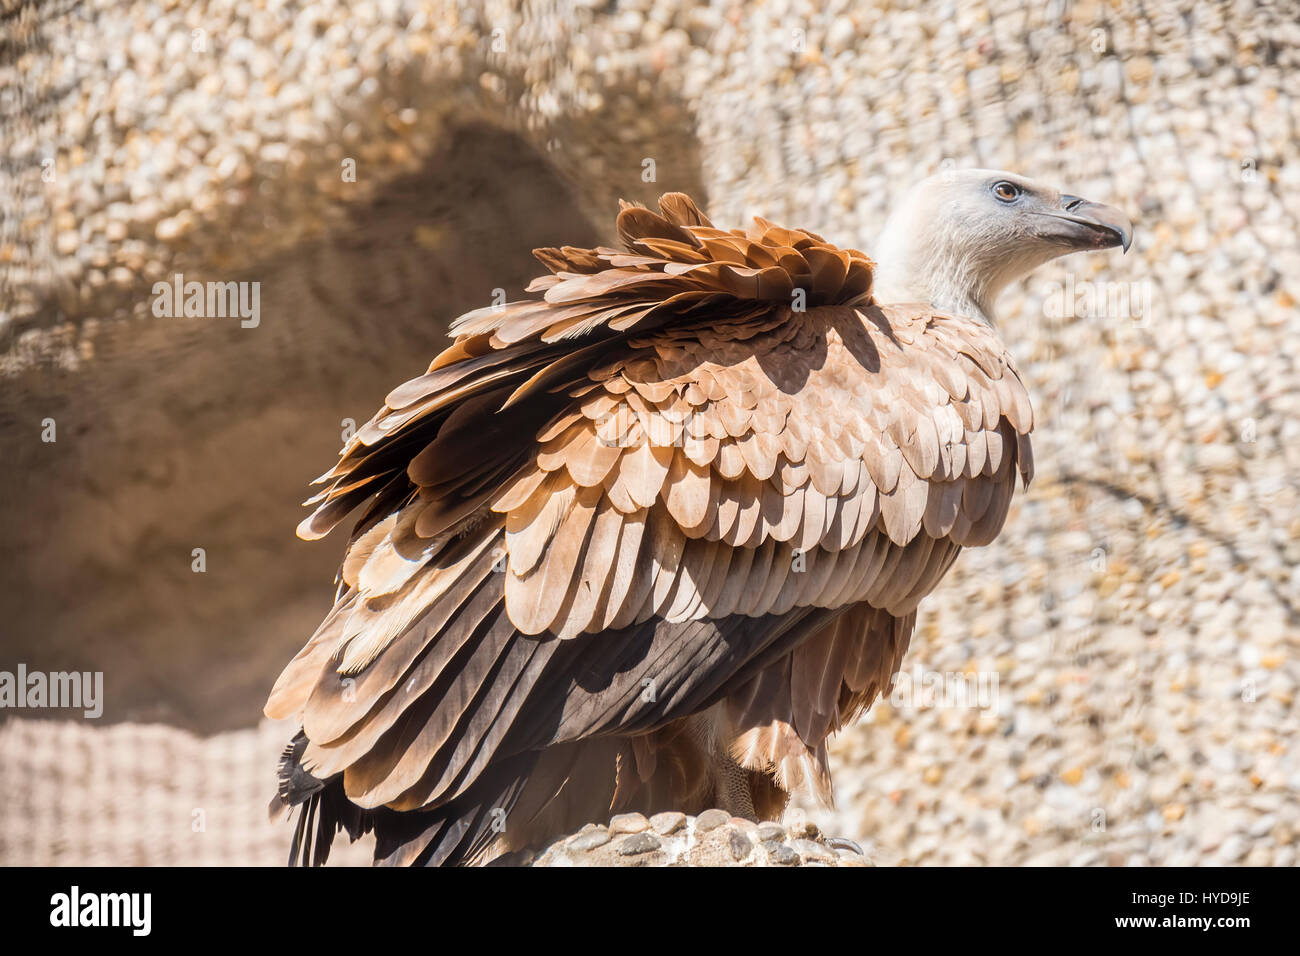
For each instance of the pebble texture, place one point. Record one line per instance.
(73, 793)
(1141, 612)
(714, 838)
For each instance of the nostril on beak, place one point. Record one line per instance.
(1071, 202)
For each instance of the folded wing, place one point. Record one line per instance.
(708, 462)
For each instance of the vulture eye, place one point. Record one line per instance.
(1006, 191)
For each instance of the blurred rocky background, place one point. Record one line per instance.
(380, 166)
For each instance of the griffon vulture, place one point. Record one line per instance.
(645, 540)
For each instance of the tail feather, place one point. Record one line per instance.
(323, 808)
(456, 833)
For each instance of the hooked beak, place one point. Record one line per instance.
(1091, 225)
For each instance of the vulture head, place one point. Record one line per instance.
(957, 239)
